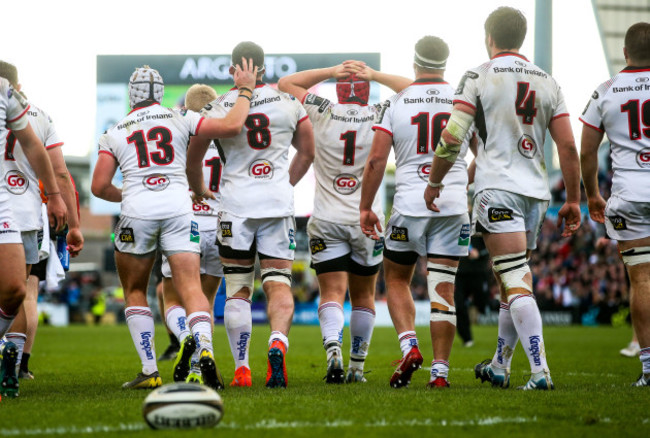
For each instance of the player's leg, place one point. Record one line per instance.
(636, 256)
(171, 351)
(135, 246)
(31, 312)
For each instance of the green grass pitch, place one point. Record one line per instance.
(79, 371)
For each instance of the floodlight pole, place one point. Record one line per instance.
(544, 59)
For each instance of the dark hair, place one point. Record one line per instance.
(637, 42)
(507, 27)
(431, 48)
(248, 49)
(9, 72)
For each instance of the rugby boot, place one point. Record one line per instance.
(355, 375)
(209, 371)
(438, 382)
(194, 376)
(276, 373)
(242, 377)
(335, 371)
(8, 379)
(643, 380)
(144, 381)
(182, 363)
(406, 366)
(539, 381)
(498, 377)
(169, 353)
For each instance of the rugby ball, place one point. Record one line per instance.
(182, 406)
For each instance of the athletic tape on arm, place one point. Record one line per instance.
(458, 125)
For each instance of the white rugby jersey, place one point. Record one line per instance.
(206, 212)
(514, 101)
(415, 118)
(13, 112)
(255, 175)
(150, 145)
(343, 137)
(20, 179)
(618, 107)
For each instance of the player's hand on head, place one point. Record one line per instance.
(597, 208)
(370, 224)
(75, 241)
(245, 74)
(570, 214)
(364, 72)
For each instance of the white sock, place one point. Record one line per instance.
(362, 323)
(5, 322)
(141, 325)
(238, 320)
(528, 322)
(18, 339)
(439, 368)
(507, 338)
(330, 316)
(200, 324)
(279, 336)
(407, 340)
(176, 320)
(644, 356)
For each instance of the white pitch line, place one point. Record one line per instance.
(272, 424)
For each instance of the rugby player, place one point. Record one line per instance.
(256, 215)
(617, 108)
(344, 259)
(512, 102)
(149, 145)
(411, 122)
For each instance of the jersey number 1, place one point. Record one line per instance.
(438, 123)
(634, 110)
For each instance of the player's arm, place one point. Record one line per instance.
(102, 183)
(590, 142)
(231, 125)
(373, 174)
(194, 168)
(303, 141)
(299, 83)
(394, 82)
(471, 169)
(40, 162)
(447, 151)
(560, 129)
(74, 238)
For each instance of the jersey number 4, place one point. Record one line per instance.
(163, 138)
(525, 103)
(438, 123)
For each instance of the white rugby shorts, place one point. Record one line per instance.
(445, 236)
(210, 260)
(170, 236)
(627, 220)
(328, 241)
(241, 238)
(9, 232)
(498, 211)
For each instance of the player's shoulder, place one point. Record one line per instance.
(314, 100)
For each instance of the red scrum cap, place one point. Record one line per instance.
(353, 90)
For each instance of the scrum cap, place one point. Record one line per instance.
(353, 90)
(145, 84)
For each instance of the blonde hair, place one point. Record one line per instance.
(198, 96)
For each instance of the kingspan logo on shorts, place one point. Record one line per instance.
(261, 169)
(156, 182)
(463, 239)
(346, 184)
(527, 146)
(16, 182)
(536, 349)
(195, 236)
(643, 158)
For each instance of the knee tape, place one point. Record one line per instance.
(636, 256)
(238, 277)
(276, 274)
(440, 274)
(511, 269)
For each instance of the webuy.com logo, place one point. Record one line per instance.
(17, 182)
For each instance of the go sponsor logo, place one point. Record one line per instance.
(261, 169)
(424, 170)
(16, 182)
(346, 184)
(156, 182)
(643, 158)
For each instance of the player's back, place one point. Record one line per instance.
(618, 107)
(255, 176)
(415, 118)
(206, 211)
(343, 137)
(150, 145)
(515, 101)
(20, 179)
